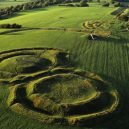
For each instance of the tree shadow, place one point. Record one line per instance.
(14, 31)
(120, 118)
(112, 39)
(22, 13)
(10, 32)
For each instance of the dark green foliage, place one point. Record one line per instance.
(106, 4)
(69, 1)
(10, 26)
(90, 0)
(123, 17)
(98, 1)
(8, 11)
(46, 3)
(83, 3)
(68, 5)
(25, 7)
(116, 4)
(112, 1)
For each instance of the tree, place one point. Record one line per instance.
(83, 3)
(117, 4)
(106, 4)
(25, 7)
(112, 1)
(90, 0)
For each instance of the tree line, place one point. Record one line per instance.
(10, 26)
(8, 11)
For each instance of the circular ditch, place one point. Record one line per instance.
(43, 87)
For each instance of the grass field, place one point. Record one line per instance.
(107, 57)
(11, 3)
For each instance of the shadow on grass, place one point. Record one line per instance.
(22, 13)
(120, 119)
(116, 40)
(13, 31)
(10, 32)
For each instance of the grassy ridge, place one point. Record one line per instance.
(107, 57)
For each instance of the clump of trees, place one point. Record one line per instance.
(10, 26)
(106, 4)
(68, 5)
(116, 4)
(70, 1)
(8, 11)
(83, 3)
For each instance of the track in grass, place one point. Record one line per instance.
(44, 87)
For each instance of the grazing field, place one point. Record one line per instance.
(62, 28)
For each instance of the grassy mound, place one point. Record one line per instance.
(98, 28)
(43, 87)
(92, 25)
(124, 16)
(29, 60)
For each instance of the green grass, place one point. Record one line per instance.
(109, 57)
(51, 17)
(4, 4)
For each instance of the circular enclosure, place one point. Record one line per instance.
(44, 87)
